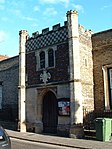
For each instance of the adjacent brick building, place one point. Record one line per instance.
(102, 58)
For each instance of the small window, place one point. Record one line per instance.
(42, 59)
(50, 58)
(86, 62)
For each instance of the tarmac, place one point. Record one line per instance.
(60, 141)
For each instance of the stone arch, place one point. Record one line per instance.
(49, 112)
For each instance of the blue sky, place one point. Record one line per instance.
(35, 15)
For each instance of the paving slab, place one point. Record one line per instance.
(61, 141)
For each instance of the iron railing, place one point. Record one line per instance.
(89, 117)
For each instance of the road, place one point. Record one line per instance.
(23, 144)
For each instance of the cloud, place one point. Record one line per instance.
(36, 8)
(106, 7)
(66, 2)
(49, 1)
(34, 25)
(78, 7)
(2, 1)
(3, 36)
(28, 18)
(5, 19)
(1, 7)
(50, 11)
(19, 14)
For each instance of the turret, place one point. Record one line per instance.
(23, 36)
(75, 80)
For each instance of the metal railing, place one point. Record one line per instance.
(89, 117)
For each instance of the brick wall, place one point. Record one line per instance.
(102, 55)
(58, 73)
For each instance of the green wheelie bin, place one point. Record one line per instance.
(103, 129)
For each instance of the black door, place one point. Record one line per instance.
(50, 116)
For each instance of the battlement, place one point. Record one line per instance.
(83, 31)
(46, 30)
(72, 12)
(48, 37)
(57, 27)
(54, 36)
(35, 34)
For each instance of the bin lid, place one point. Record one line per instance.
(99, 119)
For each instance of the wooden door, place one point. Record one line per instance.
(50, 116)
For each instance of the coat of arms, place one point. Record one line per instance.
(45, 76)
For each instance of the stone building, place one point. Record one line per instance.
(59, 77)
(9, 89)
(68, 69)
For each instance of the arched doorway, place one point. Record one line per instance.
(50, 116)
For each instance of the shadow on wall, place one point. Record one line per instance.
(89, 119)
(9, 113)
(90, 116)
(76, 114)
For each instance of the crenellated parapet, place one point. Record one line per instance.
(85, 32)
(48, 37)
(35, 34)
(56, 35)
(82, 30)
(85, 36)
(47, 31)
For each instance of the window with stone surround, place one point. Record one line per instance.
(42, 59)
(50, 58)
(107, 75)
(45, 58)
(110, 86)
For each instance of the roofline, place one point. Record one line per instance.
(105, 31)
(9, 58)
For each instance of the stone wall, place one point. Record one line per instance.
(86, 67)
(9, 77)
(34, 106)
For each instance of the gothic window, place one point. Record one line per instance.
(50, 58)
(42, 59)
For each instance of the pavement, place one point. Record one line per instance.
(61, 141)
